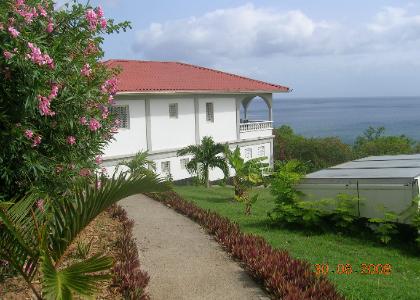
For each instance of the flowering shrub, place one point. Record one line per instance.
(54, 94)
(283, 276)
(127, 275)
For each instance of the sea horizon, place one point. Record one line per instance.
(343, 117)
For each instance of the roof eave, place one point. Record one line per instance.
(166, 92)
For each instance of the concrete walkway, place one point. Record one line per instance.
(183, 261)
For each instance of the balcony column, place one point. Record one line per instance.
(268, 99)
(238, 117)
(245, 104)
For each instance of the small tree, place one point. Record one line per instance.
(373, 142)
(247, 174)
(206, 156)
(55, 94)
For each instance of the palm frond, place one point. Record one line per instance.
(19, 236)
(192, 149)
(76, 278)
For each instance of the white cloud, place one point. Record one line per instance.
(251, 32)
(231, 33)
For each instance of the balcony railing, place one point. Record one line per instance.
(255, 126)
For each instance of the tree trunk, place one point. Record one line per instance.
(206, 176)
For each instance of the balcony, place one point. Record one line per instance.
(250, 129)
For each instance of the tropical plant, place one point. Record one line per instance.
(385, 228)
(139, 163)
(247, 174)
(41, 230)
(55, 94)
(206, 156)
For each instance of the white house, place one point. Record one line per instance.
(165, 106)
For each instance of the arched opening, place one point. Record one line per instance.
(255, 109)
(255, 113)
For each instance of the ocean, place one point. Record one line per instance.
(343, 117)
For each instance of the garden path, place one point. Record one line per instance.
(183, 261)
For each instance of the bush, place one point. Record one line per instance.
(55, 94)
(283, 276)
(317, 153)
(373, 142)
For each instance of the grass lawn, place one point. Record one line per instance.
(325, 248)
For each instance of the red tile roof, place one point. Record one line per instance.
(156, 76)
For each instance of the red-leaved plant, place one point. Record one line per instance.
(283, 276)
(127, 275)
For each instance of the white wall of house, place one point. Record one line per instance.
(130, 141)
(171, 133)
(166, 134)
(223, 129)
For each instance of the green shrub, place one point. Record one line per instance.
(385, 227)
(373, 142)
(317, 153)
(55, 94)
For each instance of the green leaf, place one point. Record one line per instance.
(77, 278)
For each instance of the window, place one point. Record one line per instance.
(173, 110)
(261, 151)
(248, 153)
(166, 167)
(209, 112)
(121, 113)
(184, 162)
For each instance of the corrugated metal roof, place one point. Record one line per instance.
(389, 166)
(158, 76)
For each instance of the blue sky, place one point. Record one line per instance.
(319, 48)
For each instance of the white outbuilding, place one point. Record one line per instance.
(380, 183)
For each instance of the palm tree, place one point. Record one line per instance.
(206, 156)
(139, 163)
(247, 174)
(33, 234)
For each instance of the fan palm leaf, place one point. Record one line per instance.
(77, 278)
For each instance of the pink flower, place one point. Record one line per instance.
(98, 159)
(13, 32)
(83, 121)
(105, 111)
(37, 141)
(44, 104)
(40, 205)
(29, 134)
(7, 54)
(86, 70)
(38, 58)
(111, 99)
(71, 140)
(94, 124)
(99, 12)
(54, 91)
(42, 11)
(50, 27)
(110, 86)
(85, 172)
(92, 19)
(103, 23)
